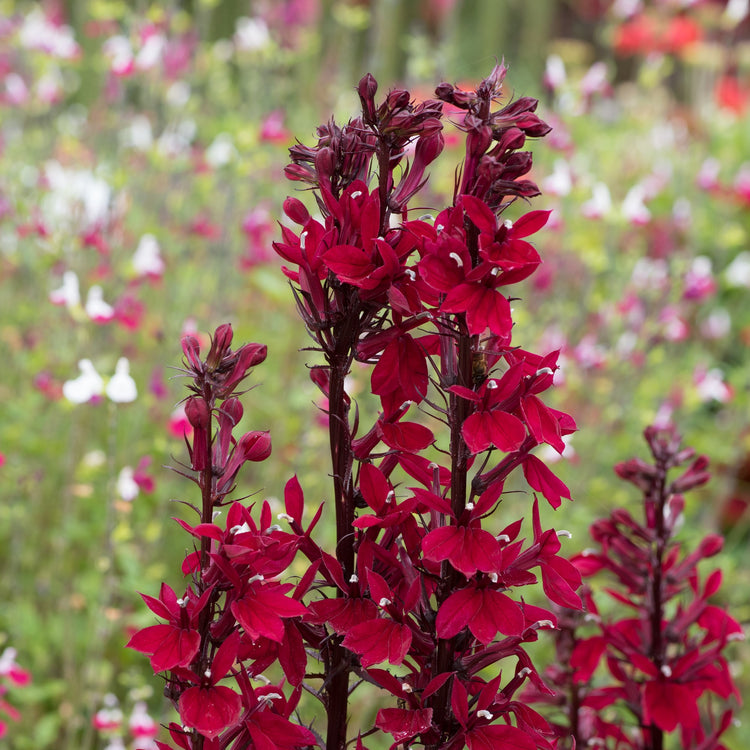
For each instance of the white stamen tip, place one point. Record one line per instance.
(207, 674)
(262, 678)
(285, 517)
(524, 672)
(275, 527)
(502, 538)
(356, 193)
(565, 533)
(484, 714)
(406, 688)
(457, 258)
(544, 624)
(469, 506)
(666, 670)
(493, 577)
(384, 602)
(544, 371)
(508, 224)
(491, 385)
(354, 578)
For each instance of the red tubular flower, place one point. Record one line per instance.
(210, 708)
(176, 643)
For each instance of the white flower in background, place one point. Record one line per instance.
(717, 325)
(560, 182)
(126, 486)
(121, 387)
(600, 203)
(550, 456)
(633, 207)
(627, 8)
(86, 386)
(554, 72)
(151, 52)
(75, 197)
(37, 32)
(595, 80)
(711, 385)
(16, 89)
(147, 260)
(49, 87)
(119, 52)
(178, 94)
(138, 134)
(682, 213)
(221, 151)
(96, 308)
(650, 273)
(736, 11)
(737, 273)
(176, 140)
(708, 174)
(69, 294)
(141, 723)
(251, 34)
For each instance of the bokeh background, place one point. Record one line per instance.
(142, 147)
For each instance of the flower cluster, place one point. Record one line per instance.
(418, 580)
(667, 656)
(234, 612)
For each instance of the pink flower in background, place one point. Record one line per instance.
(179, 425)
(156, 384)
(674, 325)
(741, 184)
(129, 311)
(202, 226)
(258, 227)
(699, 282)
(109, 717)
(140, 722)
(10, 669)
(711, 385)
(272, 129)
(708, 175)
(119, 52)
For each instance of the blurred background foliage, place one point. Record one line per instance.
(171, 121)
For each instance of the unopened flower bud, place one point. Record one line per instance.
(220, 344)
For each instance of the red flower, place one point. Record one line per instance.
(467, 548)
(379, 640)
(261, 609)
(176, 643)
(210, 708)
(486, 612)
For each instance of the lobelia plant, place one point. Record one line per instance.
(421, 595)
(666, 658)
